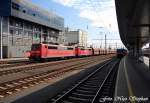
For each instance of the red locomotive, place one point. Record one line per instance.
(45, 51)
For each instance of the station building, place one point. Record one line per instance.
(75, 37)
(22, 24)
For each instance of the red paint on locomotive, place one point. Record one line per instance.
(43, 51)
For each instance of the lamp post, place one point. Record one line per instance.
(1, 38)
(149, 45)
(101, 39)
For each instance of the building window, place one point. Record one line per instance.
(11, 31)
(15, 6)
(17, 24)
(69, 48)
(26, 33)
(37, 28)
(20, 32)
(20, 24)
(36, 35)
(12, 22)
(17, 32)
(24, 11)
(30, 34)
(34, 15)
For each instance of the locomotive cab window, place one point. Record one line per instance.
(35, 46)
(69, 48)
(52, 47)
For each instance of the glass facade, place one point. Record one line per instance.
(26, 25)
(52, 19)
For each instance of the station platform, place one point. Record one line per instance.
(133, 82)
(13, 59)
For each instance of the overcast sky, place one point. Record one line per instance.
(97, 17)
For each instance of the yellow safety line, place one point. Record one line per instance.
(128, 82)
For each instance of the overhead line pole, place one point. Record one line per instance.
(1, 38)
(149, 42)
(100, 40)
(105, 44)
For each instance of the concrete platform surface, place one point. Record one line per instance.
(133, 82)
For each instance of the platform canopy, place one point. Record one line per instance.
(133, 21)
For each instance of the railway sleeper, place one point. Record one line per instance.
(93, 86)
(88, 88)
(94, 81)
(91, 83)
(80, 94)
(107, 89)
(105, 92)
(67, 102)
(99, 74)
(86, 96)
(108, 85)
(78, 100)
(85, 91)
(98, 78)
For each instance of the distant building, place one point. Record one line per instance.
(61, 38)
(23, 23)
(78, 37)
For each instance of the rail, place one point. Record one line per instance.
(87, 90)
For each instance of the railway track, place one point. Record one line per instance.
(10, 87)
(15, 64)
(3, 62)
(40, 65)
(13, 61)
(7, 64)
(92, 88)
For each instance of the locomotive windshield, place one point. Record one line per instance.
(35, 46)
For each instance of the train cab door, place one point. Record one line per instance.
(92, 51)
(44, 51)
(76, 51)
(99, 52)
